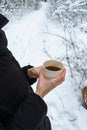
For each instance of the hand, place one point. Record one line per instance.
(34, 72)
(45, 85)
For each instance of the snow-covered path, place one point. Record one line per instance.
(26, 37)
(26, 40)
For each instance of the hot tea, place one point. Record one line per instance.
(53, 68)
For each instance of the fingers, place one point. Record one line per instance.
(60, 77)
(36, 71)
(33, 73)
(41, 75)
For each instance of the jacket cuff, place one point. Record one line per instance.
(30, 80)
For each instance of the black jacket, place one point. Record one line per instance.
(20, 107)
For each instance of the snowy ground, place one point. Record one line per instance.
(31, 43)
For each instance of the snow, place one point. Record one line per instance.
(32, 40)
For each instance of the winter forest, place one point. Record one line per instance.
(53, 29)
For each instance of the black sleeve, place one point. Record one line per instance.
(31, 80)
(3, 43)
(29, 115)
(1, 126)
(3, 21)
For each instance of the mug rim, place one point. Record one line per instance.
(48, 61)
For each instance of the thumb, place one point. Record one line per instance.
(41, 74)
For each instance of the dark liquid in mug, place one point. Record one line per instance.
(53, 68)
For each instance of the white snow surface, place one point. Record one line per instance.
(28, 39)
